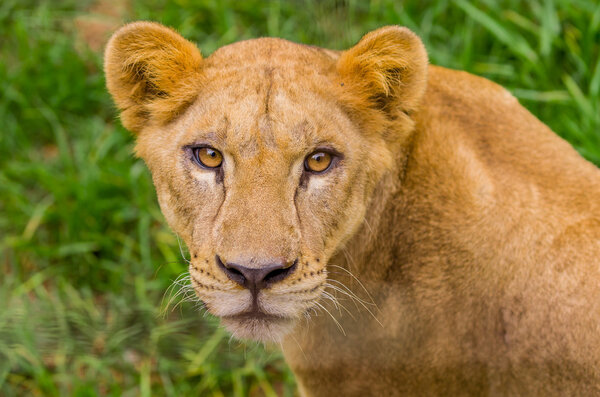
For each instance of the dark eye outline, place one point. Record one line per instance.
(196, 157)
(335, 158)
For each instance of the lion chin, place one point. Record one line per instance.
(259, 327)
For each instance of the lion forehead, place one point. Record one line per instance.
(272, 52)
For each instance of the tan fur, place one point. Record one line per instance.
(156, 73)
(474, 228)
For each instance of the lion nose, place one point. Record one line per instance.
(258, 278)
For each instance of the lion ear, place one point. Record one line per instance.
(387, 69)
(152, 73)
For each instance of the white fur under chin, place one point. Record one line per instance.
(266, 331)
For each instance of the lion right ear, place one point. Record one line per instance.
(152, 73)
(386, 70)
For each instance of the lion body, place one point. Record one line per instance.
(484, 262)
(465, 232)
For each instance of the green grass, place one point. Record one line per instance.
(85, 256)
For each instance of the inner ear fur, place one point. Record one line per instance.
(152, 73)
(386, 70)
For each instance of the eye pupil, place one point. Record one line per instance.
(318, 162)
(208, 157)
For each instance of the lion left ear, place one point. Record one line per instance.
(387, 69)
(152, 72)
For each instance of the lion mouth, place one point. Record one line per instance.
(258, 325)
(265, 315)
(256, 315)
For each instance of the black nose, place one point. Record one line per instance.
(257, 278)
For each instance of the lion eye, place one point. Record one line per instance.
(318, 161)
(208, 157)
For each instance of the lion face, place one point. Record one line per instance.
(264, 165)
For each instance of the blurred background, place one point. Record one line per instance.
(89, 300)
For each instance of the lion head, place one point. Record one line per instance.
(264, 155)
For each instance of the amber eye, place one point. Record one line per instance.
(318, 161)
(208, 157)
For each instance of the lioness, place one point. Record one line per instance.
(474, 229)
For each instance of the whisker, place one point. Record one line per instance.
(332, 317)
(349, 258)
(358, 281)
(352, 296)
(338, 289)
(369, 227)
(188, 296)
(181, 291)
(163, 264)
(181, 249)
(338, 304)
(350, 291)
(297, 343)
(332, 298)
